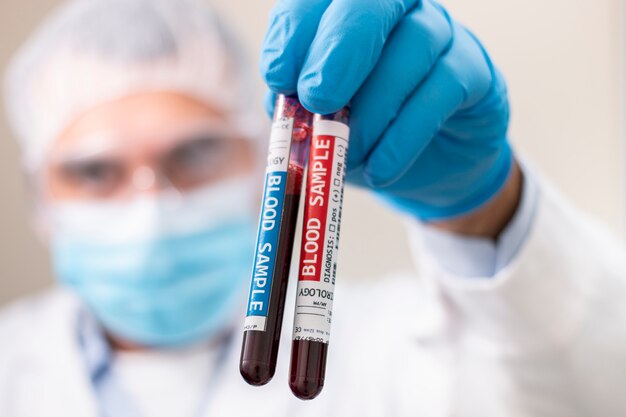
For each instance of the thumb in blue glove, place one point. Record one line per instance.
(429, 110)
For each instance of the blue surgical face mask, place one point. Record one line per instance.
(159, 271)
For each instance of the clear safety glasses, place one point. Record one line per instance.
(112, 166)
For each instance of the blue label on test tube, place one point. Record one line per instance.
(274, 190)
(267, 244)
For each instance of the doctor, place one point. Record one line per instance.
(143, 154)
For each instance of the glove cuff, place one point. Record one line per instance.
(492, 182)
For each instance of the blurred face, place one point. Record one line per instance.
(144, 144)
(165, 270)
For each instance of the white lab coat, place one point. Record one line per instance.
(545, 337)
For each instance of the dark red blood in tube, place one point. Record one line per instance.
(291, 132)
(308, 368)
(310, 343)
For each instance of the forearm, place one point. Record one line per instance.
(493, 217)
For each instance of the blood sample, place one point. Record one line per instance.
(288, 151)
(318, 254)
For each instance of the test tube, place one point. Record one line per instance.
(287, 157)
(318, 254)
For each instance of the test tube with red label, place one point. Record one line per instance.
(318, 254)
(288, 150)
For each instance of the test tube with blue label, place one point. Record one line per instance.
(287, 158)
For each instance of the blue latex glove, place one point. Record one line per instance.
(429, 110)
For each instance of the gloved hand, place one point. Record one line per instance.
(429, 110)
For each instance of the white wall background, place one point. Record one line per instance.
(563, 62)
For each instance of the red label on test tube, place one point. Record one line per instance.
(318, 255)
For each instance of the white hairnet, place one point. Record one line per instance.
(93, 51)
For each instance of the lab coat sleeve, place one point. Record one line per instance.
(545, 335)
(482, 257)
